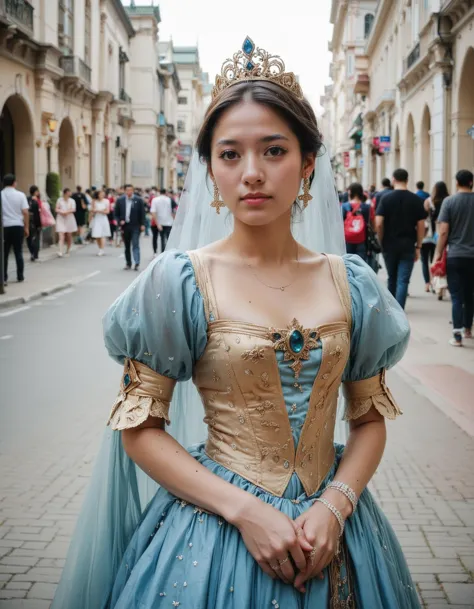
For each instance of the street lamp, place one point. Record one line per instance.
(52, 124)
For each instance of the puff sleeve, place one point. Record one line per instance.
(380, 335)
(157, 329)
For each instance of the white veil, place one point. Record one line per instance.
(319, 228)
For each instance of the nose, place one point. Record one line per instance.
(252, 173)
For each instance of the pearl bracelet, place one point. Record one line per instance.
(347, 491)
(335, 511)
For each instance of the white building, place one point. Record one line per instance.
(418, 73)
(190, 104)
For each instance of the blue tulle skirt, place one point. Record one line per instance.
(182, 557)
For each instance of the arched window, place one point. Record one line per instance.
(368, 21)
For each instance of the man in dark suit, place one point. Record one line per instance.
(130, 215)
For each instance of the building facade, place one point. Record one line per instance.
(190, 104)
(413, 92)
(83, 94)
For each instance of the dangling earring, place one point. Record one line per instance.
(217, 203)
(305, 197)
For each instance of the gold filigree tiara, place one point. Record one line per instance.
(253, 63)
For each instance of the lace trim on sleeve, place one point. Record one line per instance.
(143, 393)
(361, 396)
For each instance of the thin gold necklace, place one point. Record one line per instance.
(282, 288)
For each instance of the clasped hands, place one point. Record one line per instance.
(294, 551)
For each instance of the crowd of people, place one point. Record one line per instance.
(400, 225)
(117, 216)
(405, 226)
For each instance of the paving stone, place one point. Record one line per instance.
(6, 594)
(461, 594)
(18, 586)
(42, 591)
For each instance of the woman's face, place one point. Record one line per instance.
(256, 163)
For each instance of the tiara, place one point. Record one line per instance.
(253, 63)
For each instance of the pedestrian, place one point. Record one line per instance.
(130, 214)
(356, 216)
(400, 224)
(257, 510)
(16, 225)
(456, 231)
(163, 213)
(65, 221)
(421, 192)
(432, 207)
(386, 187)
(100, 220)
(34, 238)
(81, 210)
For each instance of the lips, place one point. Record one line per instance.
(257, 198)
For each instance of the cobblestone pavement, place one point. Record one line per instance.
(425, 483)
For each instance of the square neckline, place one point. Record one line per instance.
(204, 284)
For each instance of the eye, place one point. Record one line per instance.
(275, 151)
(228, 155)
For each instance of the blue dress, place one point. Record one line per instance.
(180, 556)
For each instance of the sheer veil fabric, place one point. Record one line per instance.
(119, 491)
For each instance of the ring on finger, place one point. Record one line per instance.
(282, 562)
(275, 567)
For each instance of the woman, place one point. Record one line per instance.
(100, 221)
(356, 216)
(65, 220)
(34, 238)
(438, 283)
(268, 512)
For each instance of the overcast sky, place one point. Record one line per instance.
(297, 30)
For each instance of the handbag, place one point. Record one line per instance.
(439, 269)
(47, 218)
(373, 243)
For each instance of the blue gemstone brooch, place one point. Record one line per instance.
(296, 342)
(130, 378)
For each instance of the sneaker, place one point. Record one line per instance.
(32, 258)
(21, 280)
(456, 341)
(467, 334)
(137, 267)
(127, 268)
(60, 254)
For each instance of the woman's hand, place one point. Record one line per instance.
(272, 538)
(322, 531)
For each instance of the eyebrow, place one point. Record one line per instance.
(264, 140)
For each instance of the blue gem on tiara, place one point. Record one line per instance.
(248, 47)
(250, 66)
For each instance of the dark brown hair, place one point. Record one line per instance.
(297, 113)
(356, 190)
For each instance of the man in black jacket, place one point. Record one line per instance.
(130, 215)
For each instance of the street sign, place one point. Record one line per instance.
(384, 143)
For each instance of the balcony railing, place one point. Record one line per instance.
(20, 12)
(124, 96)
(74, 67)
(412, 58)
(170, 133)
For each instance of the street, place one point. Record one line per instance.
(57, 386)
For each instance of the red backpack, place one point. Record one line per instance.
(354, 225)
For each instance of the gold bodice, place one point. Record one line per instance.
(239, 381)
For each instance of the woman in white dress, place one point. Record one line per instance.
(65, 220)
(100, 222)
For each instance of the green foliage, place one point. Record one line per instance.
(53, 188)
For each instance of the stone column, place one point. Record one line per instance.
(97, 179)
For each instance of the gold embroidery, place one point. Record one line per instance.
(255, 354)
(296, 342)
(265, 407)
(265, 379)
